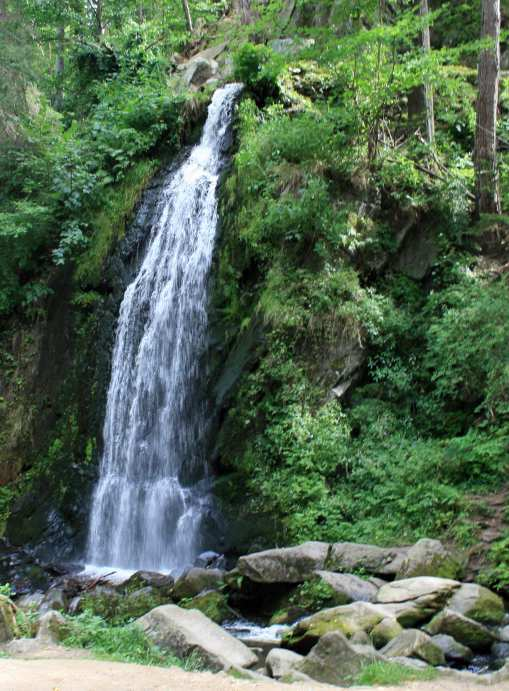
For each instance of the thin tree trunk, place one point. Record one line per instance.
(485, 152)
(58, 99)
(187, 12)
(428, 89)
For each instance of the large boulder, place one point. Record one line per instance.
(478, 603)
(186, 631)
(467, 631)
(333, 660)
(8, 626)
(53, 627)
(199, 70)
(281, 662)
(285, 565)
(30, 602)
(453, 651)
(351, 556)
(346, 588)
(385, 631)
(212, 604)
(55, 599)
(430, 558)
(149, 579)
(347, 619)
(196, 580)
(415, 643)
(413, 600)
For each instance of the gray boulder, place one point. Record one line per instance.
(290, 46)
(467, 631)
(478, 603)
(285, 565)
(503, 634)
(196, 580)
(347, 587)
(333, 660)
(415, 643)
(347, 619)
(53, 627)
(54, 599)
(453, 651)
(186, 631)
(500, 651)
(30, 602)
(380, 561)
(280, 662)
(414, 600)
(199, 70)
(385, 631)
(8, 625)
(430, 558)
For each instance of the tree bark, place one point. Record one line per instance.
(485, 151)
(187, 12)
(428, 89)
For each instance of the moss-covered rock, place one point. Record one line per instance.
(385, 631)
(347, 619)
(212, 604)
(415, 643)
(430, 558)
(8, 626)
(478, 603)
(467, 631)
(196, 580)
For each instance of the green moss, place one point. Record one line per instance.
(212, 604)
(110, 221)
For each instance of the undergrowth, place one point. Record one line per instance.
(389, 673)
(126, 643)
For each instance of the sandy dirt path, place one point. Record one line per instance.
(64, 674)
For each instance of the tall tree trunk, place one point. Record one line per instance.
(187, 12)
(428, 89)
(485, 152)
(58, 99)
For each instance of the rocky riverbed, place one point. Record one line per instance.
(315, 611)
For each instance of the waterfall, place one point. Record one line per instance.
(153, 490)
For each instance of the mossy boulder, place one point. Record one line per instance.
(285, 565)
(467, 631)
(333, 660)
(415, 600)
(344, 588)
(478, 603)
(8, 625)
(119, 608)
(417, 644)
(385, 631)
(347, 619)
(453, 651)
(212, 604)
(430, 558)
(351, 556)
(161, 582)
(196, 580)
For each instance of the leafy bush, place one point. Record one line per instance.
(258, 68)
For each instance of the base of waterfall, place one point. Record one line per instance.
(326, 612)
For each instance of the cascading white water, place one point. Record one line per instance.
(149, 502)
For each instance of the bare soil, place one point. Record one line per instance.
(78, 674)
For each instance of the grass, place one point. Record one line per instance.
(390, 673)
(111, 219)
(126, 643)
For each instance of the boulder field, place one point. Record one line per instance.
(343, 607)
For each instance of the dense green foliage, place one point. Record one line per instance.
(375, 399)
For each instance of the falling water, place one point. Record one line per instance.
(149, 503)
